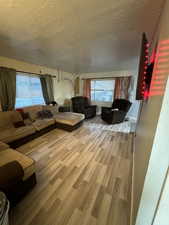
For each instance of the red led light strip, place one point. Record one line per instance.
(144, 92)
(161, 69)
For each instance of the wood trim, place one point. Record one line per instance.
(104, 78)
(38, 74)
(20, 71)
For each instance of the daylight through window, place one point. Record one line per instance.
(28, 91)
(102, 90)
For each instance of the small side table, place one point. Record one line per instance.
(64, 108)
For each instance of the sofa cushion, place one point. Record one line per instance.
(53, 109)
(27, 163)
(45, 114)
(16, 117)
(25, 115)
(69, 118)
(12, 134)
(3, 146)
(8, 118)
(28, 122)
(33, 111)
(41, 124)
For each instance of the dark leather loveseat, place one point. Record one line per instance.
(116, 113)
(81, 104)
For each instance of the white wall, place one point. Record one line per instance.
(157, 169)
(161, 217)
(64, 88)
(63, 83)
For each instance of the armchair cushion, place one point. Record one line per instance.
(106, 109)
(121, 104)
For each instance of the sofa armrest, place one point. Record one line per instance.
(118, 116)
(3, 146)
(10, 174)
(106, 109)
(90, 107)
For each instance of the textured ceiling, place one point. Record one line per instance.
(76, 35)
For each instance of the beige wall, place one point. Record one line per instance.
(147, 127)
(63, 83)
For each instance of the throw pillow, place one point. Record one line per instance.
(25, 115)
(44, 114)
(40, 115)
(48, 114)
(19, 124)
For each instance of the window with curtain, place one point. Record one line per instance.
(28, 91)
(102, 90)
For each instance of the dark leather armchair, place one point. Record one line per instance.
(81, 105)
(116, 113)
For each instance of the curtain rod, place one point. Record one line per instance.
(39, 74)
(102, 78)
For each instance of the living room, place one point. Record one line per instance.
(83, 118)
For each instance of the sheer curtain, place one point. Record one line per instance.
(7, 88)
(122, 87)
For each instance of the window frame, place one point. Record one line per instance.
(33, 76)
(103, 79)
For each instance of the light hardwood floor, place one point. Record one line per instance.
(84, 178)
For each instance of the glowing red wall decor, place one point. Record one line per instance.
(161, 69)
(153, 70)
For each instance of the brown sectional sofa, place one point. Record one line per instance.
(3, 146)
(39, 124)
(66, 120)
(8, 155)
(8, 133)
(34, 126)
(17, 173)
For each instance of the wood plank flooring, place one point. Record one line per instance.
(84, 178)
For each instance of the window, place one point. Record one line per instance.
(102, 90)
(28, 91)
